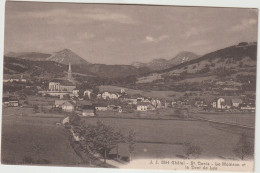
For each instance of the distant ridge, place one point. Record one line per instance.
(32, 56)
(162, 64)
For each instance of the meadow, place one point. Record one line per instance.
(29, 138)
(247, 119)
(165, 138)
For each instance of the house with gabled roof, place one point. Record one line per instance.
(88, 110)
(68, 106)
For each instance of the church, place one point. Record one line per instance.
(63, 85)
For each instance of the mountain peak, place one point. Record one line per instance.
(67, 56)
(66, 50)
(182, 57)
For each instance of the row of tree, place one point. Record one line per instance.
(102, 138)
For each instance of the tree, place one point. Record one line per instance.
(101, 138)
(243, 148)
(74, 120)
(36, 109)
(191, 149)
(119, 139)
(131, 142)
(66, 97)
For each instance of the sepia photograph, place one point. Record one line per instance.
(129, 86)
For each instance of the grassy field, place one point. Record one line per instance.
(41, 101)
(164, 138)
(162, 113)
(29, 137)
(247, 119)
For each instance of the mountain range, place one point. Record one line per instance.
(232, 57)
(161, 64)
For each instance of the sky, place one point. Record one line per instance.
(123, 34)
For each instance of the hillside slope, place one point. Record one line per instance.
(236, 63)
(40, 68)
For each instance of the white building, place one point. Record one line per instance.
(75, 92)
(68, 106)
(108, 95)
(236, 102)
(144, 106)
(87, 93)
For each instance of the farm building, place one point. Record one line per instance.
(236, 102)
(88, 110)
(10, 102)
(68, 106)
(144, 106)
(101, 107)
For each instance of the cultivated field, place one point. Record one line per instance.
(29, 138)
(164, 138)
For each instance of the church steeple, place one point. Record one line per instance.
(69, 73)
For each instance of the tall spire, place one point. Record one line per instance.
(69, 68)
(69, 73)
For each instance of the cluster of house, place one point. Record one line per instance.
(228, 103)
(141, 103)
(71, 106)
(13, 78)
(138, 103)
(88, 109)
(10, 101)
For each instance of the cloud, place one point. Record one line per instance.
(199, 43)
(245, 24)
(85, 35)
(149, 38)
(63, 16)
(153, 39)
(112, 39)
(193, 31)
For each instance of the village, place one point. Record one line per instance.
(67, 97)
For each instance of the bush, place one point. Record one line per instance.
(28, 160)
(43, 161)
(243, 148)
(36, 109)
(191, 149)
